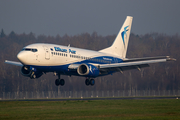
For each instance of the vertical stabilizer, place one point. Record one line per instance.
(120, 44)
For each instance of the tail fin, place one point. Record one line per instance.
(120, 44)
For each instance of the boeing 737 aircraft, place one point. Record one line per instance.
(37, 59)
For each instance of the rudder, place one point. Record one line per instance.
(120, 44)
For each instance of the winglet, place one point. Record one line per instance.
(171, 59)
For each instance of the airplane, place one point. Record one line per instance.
(40, 58)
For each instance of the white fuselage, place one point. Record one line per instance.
(47, 57)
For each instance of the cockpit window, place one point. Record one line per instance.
(34, 50)
(29, 49)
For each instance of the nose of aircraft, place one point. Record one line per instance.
(22, 56)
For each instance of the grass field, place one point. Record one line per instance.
(166, 109)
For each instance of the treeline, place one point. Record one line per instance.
(160, 76)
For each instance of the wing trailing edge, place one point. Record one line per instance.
(135, 63)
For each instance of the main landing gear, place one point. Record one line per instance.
(59, 81)
(90, 82)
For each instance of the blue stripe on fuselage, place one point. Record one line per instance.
(63, 69)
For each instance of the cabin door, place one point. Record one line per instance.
(47, 53)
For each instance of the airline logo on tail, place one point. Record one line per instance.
(124, 33)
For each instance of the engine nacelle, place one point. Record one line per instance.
(25, 70)
(31, 72)
(88, 70)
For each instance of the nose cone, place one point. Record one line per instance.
(22, 57)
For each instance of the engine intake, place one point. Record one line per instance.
(88, 70)
(28, 72)
(25, 70)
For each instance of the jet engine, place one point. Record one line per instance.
(88, 70)
(31, 72)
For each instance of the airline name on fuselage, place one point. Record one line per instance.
(107, 59)
(64, 50)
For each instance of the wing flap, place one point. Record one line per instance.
(145, 58)
(135, 63)
(124, 64)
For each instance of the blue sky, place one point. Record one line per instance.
(73, 17)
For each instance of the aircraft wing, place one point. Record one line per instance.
(134, 63)
(13, 63)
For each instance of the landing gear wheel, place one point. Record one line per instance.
(87, 82)
(92, 82)
(62, 82)
(33, 76)
(57, 82)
